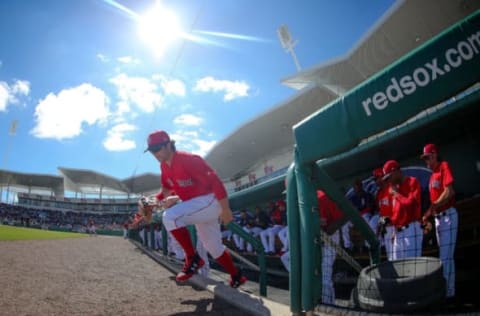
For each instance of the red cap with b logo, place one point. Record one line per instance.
(390, 167)
(428, 150)
(157, 137)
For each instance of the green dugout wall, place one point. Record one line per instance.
(440, 68)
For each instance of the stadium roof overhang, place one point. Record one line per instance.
(143, 184)
(30, 181)
(407, 25)
(91, 182)
(265, 135)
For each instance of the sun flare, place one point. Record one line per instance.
(159, 28)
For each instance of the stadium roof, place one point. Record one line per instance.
(32, 180)
(404, 27)
(81, 181)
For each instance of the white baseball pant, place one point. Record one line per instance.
(406, 242)
(174, 246)
(388, 242)
(203, 212)
(446, 228)
(158, 239)
(202, 252)
(255, 231)
(268, 237)
(240, 242)
(347, 244)
(328, 258)
(227, 235)
(283, 236)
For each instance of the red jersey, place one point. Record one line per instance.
(329, 211)
(441, 178)
(384, 202)
(406, 204)
(278, 217)
(190, 176)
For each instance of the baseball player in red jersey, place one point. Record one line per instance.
(330, 215)
(442, 199)
(330, 220)
(384, 205)
(405, 194)
(203, 200)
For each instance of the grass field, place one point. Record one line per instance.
(19, 233)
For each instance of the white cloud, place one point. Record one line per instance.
(116, 140)
(231, 89)
(61, 116)
(9, 94)
(174, 87)
(192, 141)
(103, 58)
(188, 120)
(138, 91)
(4, 96)
(21, 87)
(128, 60)
(171, 86)
(203, 146)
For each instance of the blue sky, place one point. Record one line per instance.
(86, 89)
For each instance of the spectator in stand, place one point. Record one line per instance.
(243, 221)
(442, 208)
(405, 193)
(279, 219)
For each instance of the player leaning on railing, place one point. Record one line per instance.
(188, 178)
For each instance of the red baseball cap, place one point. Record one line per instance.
(157, 137)
(281, 203)
(378, 173)
(390, 167)
(428, 150)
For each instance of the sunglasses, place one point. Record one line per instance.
(156, 147)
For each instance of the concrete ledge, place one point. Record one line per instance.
(248, 302)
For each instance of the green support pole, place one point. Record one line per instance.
(257, 245)
(293, 218)
(329, 186)
(193, 234)
(309, 233)
(164, 241)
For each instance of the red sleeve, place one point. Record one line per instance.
(413, 198)
(202, 172)
(165, 183)
(159, 196)
(447, 177)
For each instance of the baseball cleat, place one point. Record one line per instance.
(190, 267)
(237, 280)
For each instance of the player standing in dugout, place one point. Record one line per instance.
(442, 208)
(188, 178)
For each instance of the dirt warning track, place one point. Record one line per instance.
(94, 276)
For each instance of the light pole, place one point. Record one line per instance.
(288, 43)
